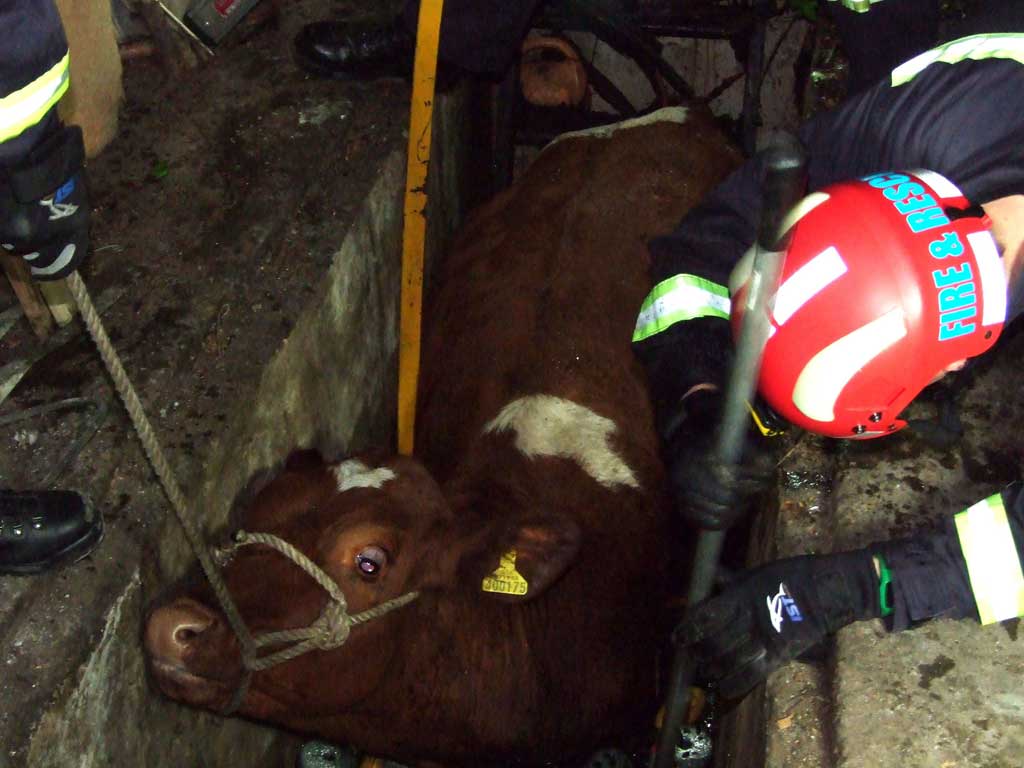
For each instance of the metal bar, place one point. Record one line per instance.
(782, 186)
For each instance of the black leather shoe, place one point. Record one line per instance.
(352, 50)
(40, 530)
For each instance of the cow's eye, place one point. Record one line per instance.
(370, 561)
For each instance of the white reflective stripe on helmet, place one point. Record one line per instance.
(26, 106)
(807, 282)
(826, 375)
(976, 47)
(993, 277)
(681, 297)
(741, 272)
(940, 185)
(992, 562)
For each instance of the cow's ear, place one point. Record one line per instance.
(529, 557)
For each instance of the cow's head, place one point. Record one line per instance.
(379, 530)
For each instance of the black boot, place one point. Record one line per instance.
(42, 529)
(352, 50)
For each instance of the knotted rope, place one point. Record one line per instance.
(334, 624)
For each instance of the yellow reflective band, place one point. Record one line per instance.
(25, 107)
(992, 562)
(859, 6)
(975, 47)
(682, 297)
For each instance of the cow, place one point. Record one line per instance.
(531, 524)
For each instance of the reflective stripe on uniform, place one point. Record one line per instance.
(992, 562)
(858, 6)
(27, 106)
(682, 297)
(975, 47)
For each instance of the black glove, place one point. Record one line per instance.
(774, 614)
(44, 205)
(707, 493)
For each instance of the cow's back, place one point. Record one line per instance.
(540, 293)
(533, 402)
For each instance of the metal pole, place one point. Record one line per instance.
(782, 187)
(414, 218)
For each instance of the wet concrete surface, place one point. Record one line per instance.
(946, 694)
(217, 211)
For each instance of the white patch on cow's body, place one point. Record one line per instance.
(664, 115)
(354, 474)
(553, 426)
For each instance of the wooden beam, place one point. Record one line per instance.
(28, 294)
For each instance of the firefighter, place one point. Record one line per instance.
(484, 37)
(478, 36)
(44, 218)
(896, 275)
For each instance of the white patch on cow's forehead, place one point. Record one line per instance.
(552, 426)
(354, 474)
(663, 115)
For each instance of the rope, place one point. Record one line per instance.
(159, 463)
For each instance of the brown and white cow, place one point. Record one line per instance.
(535, 437)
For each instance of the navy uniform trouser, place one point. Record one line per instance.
(480, 36)
(878, 41)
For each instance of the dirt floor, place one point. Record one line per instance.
(216, 211)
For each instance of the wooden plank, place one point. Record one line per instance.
(59, 299)
(28, 294)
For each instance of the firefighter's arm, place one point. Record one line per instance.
(773, 614)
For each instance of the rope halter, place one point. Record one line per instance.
(330, 630)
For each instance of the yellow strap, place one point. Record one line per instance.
(414, 226)
(26, 106)
(992, 563)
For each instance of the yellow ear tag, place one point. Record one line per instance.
(506, 579)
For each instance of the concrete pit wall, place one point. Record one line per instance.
(332, 385)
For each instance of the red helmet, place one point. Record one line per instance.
(884, 287)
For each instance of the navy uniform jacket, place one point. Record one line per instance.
(33, 73)
(957, 109)
(985, 542)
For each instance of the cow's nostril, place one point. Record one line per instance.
(176, 628)
(185, 635)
